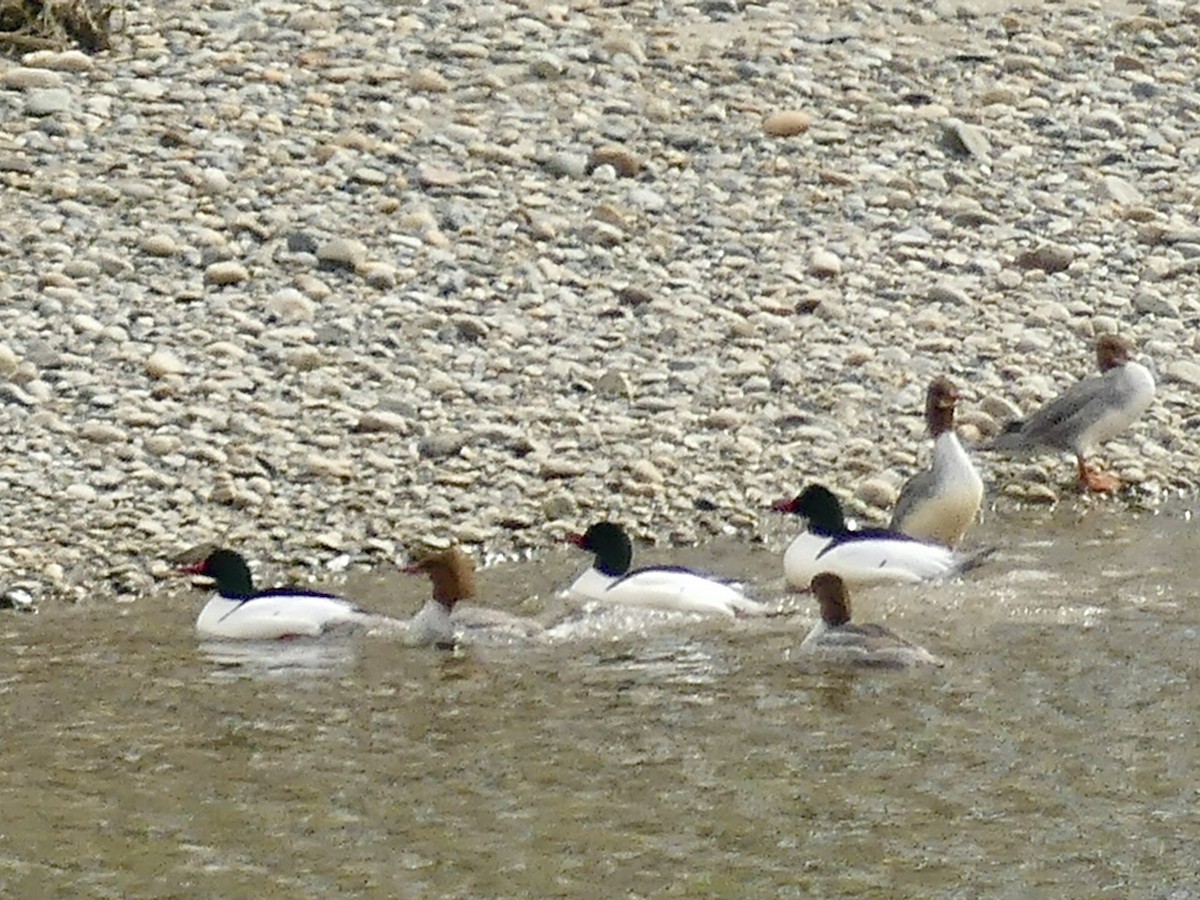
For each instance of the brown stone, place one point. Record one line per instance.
(787, 123)
(625, 162)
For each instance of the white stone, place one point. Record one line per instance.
(162, 363)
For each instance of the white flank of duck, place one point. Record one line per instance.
(611, 580)
(1089, 413)
(940, 503)
(238, 611)
(836, 639)
(862, 556)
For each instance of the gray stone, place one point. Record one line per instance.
(8, 361)
(374, 421)
(1155, 304)
(160, 245)
(290, 305)
(60, 60)
(877, 492)
(1184, 372)
(1117, 189)
(572, 165)
(948, 292)
(614, 382)
(441, 445)
(964, 140)
(47, 101)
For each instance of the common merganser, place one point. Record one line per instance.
(610, 580)
(862, 556)
(240, 612)
(441, 621)
(1091, 412)
(940, 503)
(836, 639)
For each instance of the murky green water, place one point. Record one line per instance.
(1055, 756)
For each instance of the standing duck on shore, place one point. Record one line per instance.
(1089, 413)
(940, 503)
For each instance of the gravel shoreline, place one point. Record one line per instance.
(318, 281)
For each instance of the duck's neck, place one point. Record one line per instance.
(614, 562)
(828, 521)
(940, 420)
(236, 586)
(948, 451)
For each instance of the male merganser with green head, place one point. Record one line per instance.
(239, 611)
(611, 580)
(859, 556)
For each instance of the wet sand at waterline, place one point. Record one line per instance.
(1054, 754)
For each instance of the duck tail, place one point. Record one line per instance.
(974, 559)
(1011, 438)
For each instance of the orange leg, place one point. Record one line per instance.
(1093, 480)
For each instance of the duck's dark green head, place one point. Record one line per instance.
(228, 569)
(610, 543)
(819, 505)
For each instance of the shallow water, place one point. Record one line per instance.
(1055, 755)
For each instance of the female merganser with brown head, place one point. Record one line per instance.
(441, 621)
(940, 503)
(859, 556)
(239, 611)
(836, 639)
(611, 580)
(453, 579)
(1089, 413)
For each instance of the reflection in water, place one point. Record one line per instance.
(685, 758)
(675, 662)
(297, 657)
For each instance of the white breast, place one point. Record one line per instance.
(1133, 393)
(431, 625)
(956, 492)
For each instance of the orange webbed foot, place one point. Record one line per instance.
(1091, 479)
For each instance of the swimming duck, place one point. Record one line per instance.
(1091, 412)
(836, 639)
(860, 556)
(610, 580)
(441, 621)
(240, 612)
(940, 503)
